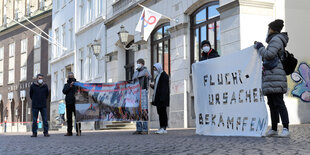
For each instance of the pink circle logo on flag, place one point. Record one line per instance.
(150, 21)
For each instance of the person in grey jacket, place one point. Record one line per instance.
(143, 76)
(274, 83)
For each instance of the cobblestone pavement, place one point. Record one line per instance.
(182, 141)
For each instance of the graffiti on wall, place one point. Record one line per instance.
(302, 80)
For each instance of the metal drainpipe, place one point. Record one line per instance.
(105, 46)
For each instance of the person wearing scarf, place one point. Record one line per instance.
(161, 96)
(143, 76)
(207, 51)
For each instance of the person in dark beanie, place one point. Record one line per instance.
(207, 51)
(161, 96)
(39, 93)
(143, 76)
(69, 90)
(274, 82)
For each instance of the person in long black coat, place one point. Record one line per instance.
(70, 90)
(161, 96)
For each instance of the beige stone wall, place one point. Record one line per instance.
(48, 2)
(1, 13)
(10, 10)
(34, 6)
(20, 5)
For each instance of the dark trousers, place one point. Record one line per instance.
(35, 114)
(277, 106)
(70, 108)
(163, 119)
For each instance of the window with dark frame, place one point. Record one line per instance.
(160, 47)
(205, 25)
(130, 62)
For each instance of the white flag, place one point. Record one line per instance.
(147, 22)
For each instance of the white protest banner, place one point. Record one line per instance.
(228, 95)
(147, 22)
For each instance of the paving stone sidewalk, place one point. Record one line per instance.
(177, 141)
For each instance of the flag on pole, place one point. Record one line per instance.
(147, 22)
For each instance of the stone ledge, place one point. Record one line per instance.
(237, 3)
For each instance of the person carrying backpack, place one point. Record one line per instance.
(274, 82)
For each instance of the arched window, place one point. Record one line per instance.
(160, 47)
(205, 25)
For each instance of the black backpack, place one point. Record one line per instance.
(288, 61)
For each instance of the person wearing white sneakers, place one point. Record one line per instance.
(161, 96)
(274, 82)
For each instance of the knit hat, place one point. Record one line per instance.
(205, 42)
(276, 25)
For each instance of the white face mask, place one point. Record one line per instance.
(155, 73)
(206, 49)
(40, 81)
(139, 66)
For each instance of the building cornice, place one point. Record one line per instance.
(237, 3)
(124, 12)
(178, 27)
(88, 26)
(71, 53)
(33, 19)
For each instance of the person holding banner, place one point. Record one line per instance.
(274, 82)
(161, 96)
(39, 93)
(143, 76)
(69, 90)
(207, 51)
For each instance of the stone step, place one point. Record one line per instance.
(120, 125)
(120, 122)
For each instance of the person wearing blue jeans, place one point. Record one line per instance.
(143, 76)
(142, 126)
(39, 93)
(35, 114)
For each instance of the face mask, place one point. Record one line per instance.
(155, 73)
(139, 66)
(70, 80)
(206, 49)
(40, 81)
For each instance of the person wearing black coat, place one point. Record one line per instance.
(161, 96)
(39, 94)
(207, 51)
(69, 90)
